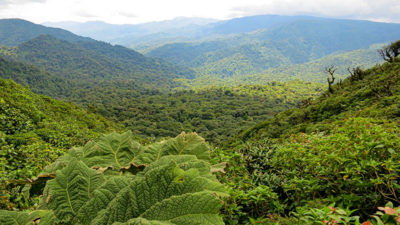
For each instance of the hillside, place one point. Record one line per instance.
(16, 31)
(216, 113)
(74, 57)
(147, 35)
(298, 41)
(374, 96)
(312, 71)
(334, 158)
(94, 60)
(39, 81)
(35, 130)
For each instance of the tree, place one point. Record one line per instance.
(356, 74)
(390, 52)
(330, 70)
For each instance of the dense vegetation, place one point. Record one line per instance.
(118, 181)
(299, 41)
(39, 81)
(215, 113)
(310, 71)
(35, 130)
(281, 155)
(87, 62)
(340, 150)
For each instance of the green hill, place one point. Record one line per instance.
(88, 61)
(285, 44)
(373, 96)
(312, 71)
(35, 130)
(339, 150)
(16, 31)
(72, 57)
(39, 81)
(217, 113)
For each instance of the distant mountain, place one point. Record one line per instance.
(285, 42)
(117, 33)
(15, 31)
(309, 71)
(210, 31)
(250, 23)
(76, 57)
(331, 35)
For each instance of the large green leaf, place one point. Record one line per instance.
(119, 152)
(70, 190)
(20, 218)
(102, 196)
(113, 150)
(162, 185)
(187, 144)
(169, 182)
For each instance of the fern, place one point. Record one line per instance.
(119, 181)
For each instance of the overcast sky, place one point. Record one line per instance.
(139, 11)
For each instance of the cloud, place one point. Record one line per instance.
(7, 3)
(127, 14)
(85, 14)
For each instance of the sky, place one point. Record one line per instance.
(140, 11)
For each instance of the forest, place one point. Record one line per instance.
(201, 132)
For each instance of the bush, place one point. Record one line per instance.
(119, 181)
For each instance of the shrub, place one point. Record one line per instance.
(118, 181)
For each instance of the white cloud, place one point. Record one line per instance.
(137, 11)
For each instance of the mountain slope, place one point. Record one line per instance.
(375, 95)
(95, 60)
(121, 33)
(336, 153)
(71, 56)
(16, 31)
(250, 23)
(35, 130)
(40, 81)
(296, 42)
(332, 35)
(312, 71)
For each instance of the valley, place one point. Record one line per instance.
(200, 121)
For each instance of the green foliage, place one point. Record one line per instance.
(374, 96)
(356, 163)
(84, 62)
(340, 148)
(34, 131)
(287, 51)
(308, 71)
(215, 113)
(39, 81)
(18, 218)
(387, 215)
(329, 215)
(169, 182)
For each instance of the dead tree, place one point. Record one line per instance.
(390, 52)
(330, 70)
